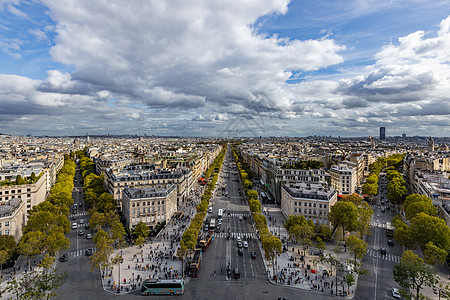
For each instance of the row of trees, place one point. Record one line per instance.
(109, 231)
(423, 227)
(271, 244)
(189, 238)
(396, 190)
(304, 165)
(22, 180)
(45, 233)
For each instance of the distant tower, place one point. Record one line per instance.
(87, 139)
(403, 135)
(382, 133)
(430, 147)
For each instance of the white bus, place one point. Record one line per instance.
(212, 224)
(220, 213)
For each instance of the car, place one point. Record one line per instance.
(240, 218)
(236, 273)
(240, 252)
(219, 222)
(245, 244)
(74, 217)
(86, 225)
(88, 252)
(395, 293)
(383, 250)
(239, 244)
(218, 229)
(238, 239)
(253, 254)
(64, 258)
(388, 207)
(80, 232)
(210, 209)
(206, 227)
(245, 218)
(390, 243)
(88, 236)
(81, 221)
(383, 209)
(74, 225)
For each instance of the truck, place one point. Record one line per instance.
(194, 267)
(206, 241)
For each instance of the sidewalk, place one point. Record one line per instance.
(309, 274)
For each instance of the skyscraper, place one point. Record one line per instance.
(382, 133)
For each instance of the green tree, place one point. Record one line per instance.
(413, 273)
(320, 243)
(402, 233)
(370, 189)
(365, 214)
(19, 180)
(324, 232)
(117, 234)
(8, 244)
(141, 229)
(272, 246)
(33, 177)
(344, 214)
(397, 191)
(103, 243)
(357, 246)
(302, 233)
(252, 194)
(45, 283)
(434, 255)
(3, 259)
(139, 241)
(294, 220)
(31, 244)
(426, 228)
(350, 280)
(415, 204)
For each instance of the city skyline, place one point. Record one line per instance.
(270, 68)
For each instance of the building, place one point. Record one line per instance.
(430, 145)
(151, 205)
(382, 133)
(140, 176)
(344, 178)
(13, 217)
(310, 200)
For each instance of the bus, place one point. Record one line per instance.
(194, 267)
(162, 287)
(389, 229)
(205, 242)
(212, 224)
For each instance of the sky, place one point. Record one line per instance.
(225, 68)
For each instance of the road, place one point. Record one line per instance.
(377, 285)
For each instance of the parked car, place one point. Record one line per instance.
(80, 232)
(240, 252)
(238, 239)
(245, 244)
(88, 252)
(64, 258)
(239, 244)
(390, 243)
(74, 225)
(88, 236)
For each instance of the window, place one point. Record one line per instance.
(314, 205)
(6, 223)
(162, 202)
(320, 205)
(28, 190)
(0, 225)
(133, 204)
(6, 232)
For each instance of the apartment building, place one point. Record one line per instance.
(310, 200)
(13, 216)
(151, 205)
(138, 176)
(344, 177)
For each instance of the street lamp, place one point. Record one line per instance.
(132, 287)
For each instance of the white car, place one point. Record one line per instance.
(81, 221)
(240, 218)
(238, 239)
(245, 244)
(396, 293)
(74, 226)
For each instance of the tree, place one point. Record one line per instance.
(365, 213)
(139, 241)
(141, 229)
(103, 243)
(434, 255)
(294, 220)
(252, 194)
(344, 214)
(415, 204)
(397, 191)
(356, 246)
(8, 244)
(349, 279)
(370, 189)
(19, 180)
(3, 259)
(302, 233)
(46, 283)
(31, 244)
(413, 273)
(402, 233)
(425, 228)
(320, 244)
(324, 232)
(117, 234)
(272, 246)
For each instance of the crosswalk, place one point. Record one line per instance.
(78, 215)
(378, 224)
(377, 254)
(244, 235)
(80, 252)
(239, 215)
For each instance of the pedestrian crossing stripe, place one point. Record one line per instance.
(378, 224)
(244, 235)
(239, 215)
(80, 252)
(389, 257)
(79, 215)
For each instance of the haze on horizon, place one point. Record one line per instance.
(239, 68)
